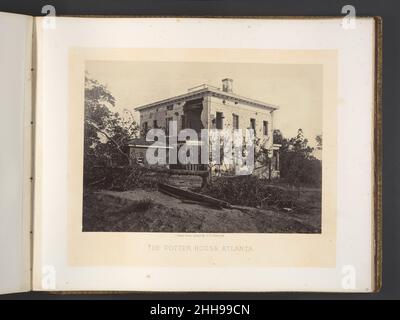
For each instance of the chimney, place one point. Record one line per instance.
(227, 85)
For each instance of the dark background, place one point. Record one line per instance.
(387, 9)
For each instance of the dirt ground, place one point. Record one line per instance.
(151, 211)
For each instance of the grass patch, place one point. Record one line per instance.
(138, 206)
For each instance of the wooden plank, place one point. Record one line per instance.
(171, 194)
(182, 172)
(194, 195)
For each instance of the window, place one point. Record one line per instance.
(265, 127)
(183, 122)
(155, 124)
(276, 154)
(253, 125)
(168, 120)
(235, 121)
(170, 107)
(145, 128)
(219, 120)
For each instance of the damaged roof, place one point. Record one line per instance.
(207, 89)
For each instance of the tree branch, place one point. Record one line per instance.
(109, 138)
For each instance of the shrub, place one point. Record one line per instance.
(252, 191)
(122, 178)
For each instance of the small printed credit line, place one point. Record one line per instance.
(201, 309)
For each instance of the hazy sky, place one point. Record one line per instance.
(296, 89)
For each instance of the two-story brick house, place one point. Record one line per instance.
(208, 107)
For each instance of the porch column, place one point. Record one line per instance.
(277, 160)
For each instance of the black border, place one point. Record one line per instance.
(387, 9)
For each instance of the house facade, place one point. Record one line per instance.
(208, 107)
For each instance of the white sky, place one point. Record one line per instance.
(296, 89)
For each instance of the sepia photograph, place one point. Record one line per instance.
(211, 154)
(202, 147)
